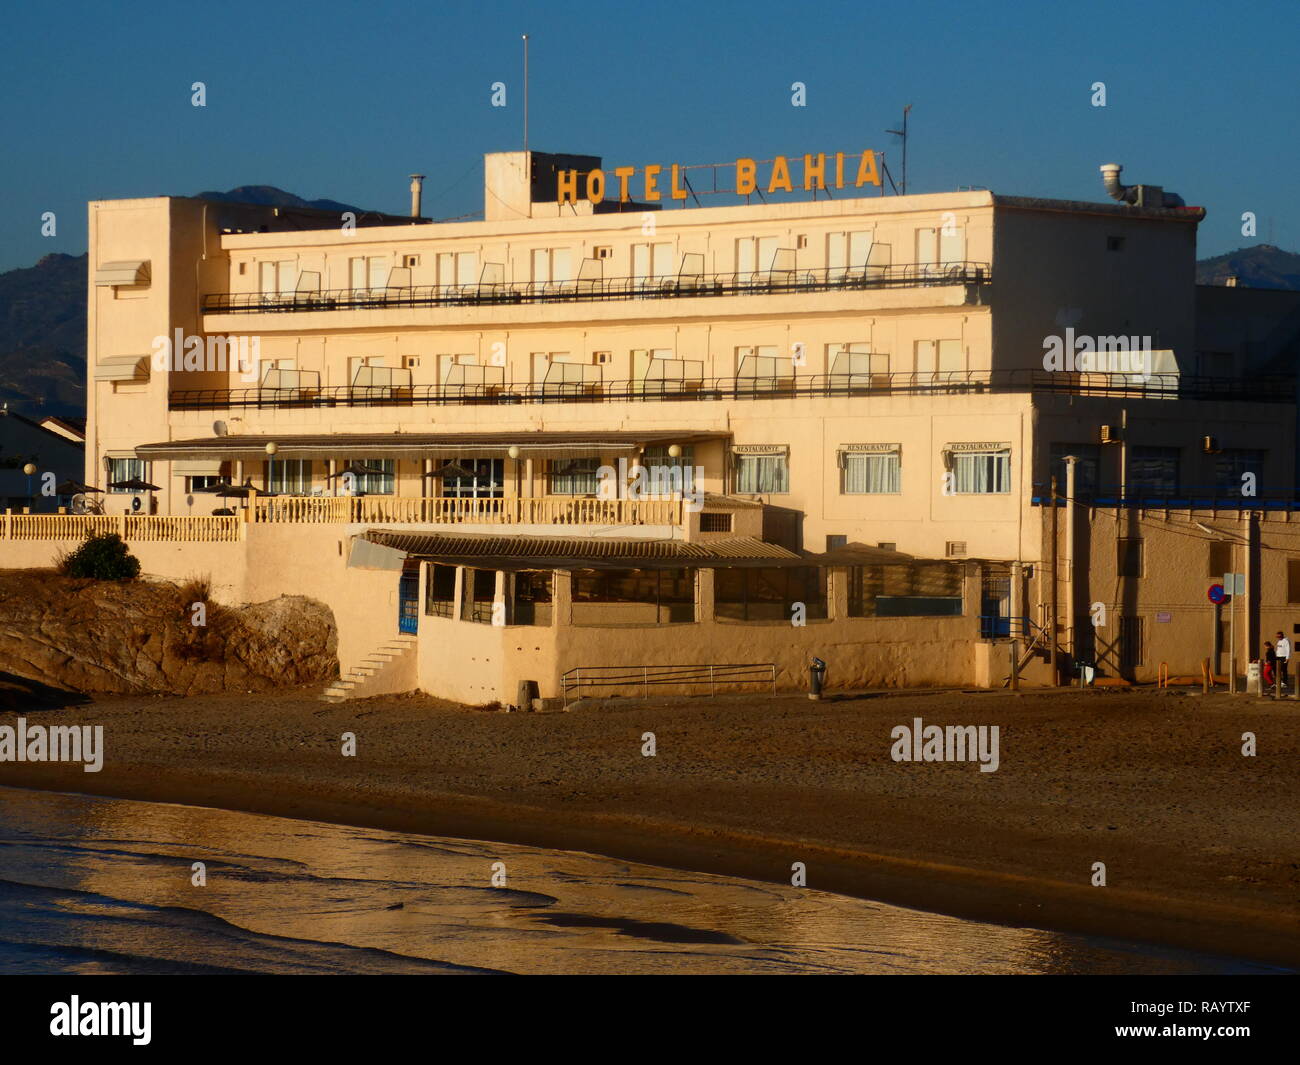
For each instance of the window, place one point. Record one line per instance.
(715, 522)
(871, 474)
(367, 272)
(194, 484)
(1220, 559)
(480, 594)
(458, 268)
(755, 255)
(762, 474)
(551, 265)
(290, 477)
(1086, 470)
(1114, 243)
(854, 364)
(665, 473)
(473, 478)
(410, 261)
(1231, 466)
(532, 598)
(847, 252)
(275, 279)
(910, 589)
(125, 470)
(887, 545)
(955, 548)
(1292, 580)
(1128, 561)
(981, 472)
(769, 594)
(763, 369)
(603, 251)
(574, 477)
(380, 480)
(939, 356)
(440, 595)
(652, 261)
(1153, 471)
(1131, 649)
(633, 596)
(941, 246)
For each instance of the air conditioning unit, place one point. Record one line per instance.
(1110, 434)
(1210, 445)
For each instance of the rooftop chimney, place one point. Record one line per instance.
(417, 183)
(1136, 195)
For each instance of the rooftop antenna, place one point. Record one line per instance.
(902, 185)
(525, 92)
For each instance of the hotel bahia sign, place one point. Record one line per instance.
(817, 172)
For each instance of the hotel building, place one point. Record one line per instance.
(844, 399)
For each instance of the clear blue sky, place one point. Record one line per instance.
(344, 100)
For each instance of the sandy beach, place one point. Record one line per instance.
(1201, 845)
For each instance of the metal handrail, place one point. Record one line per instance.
(1278, 389)
(644, 677)
(680, 286)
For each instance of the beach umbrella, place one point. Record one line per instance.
(133, 484)
(357, 469)
(74, 488)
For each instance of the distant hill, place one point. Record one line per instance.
(270, 196)
(43, 337)
(1260, 266)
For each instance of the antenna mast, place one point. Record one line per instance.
(902, 186)
(525, 92)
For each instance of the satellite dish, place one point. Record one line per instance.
(79, 503)
(219, 428)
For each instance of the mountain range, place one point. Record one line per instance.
(43, 309)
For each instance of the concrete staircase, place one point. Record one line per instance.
(387, 671)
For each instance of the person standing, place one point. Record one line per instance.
(1283, 651)
(1270, 665)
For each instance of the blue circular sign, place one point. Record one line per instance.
(1216, 593)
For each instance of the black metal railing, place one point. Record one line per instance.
(1154, 498)
(1171, 386)
(682, 286)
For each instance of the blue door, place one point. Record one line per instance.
(408, 601)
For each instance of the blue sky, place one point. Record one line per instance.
(344, 100)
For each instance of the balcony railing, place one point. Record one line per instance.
(1212, 498)
(1279, 389)
(437, 510)
(682, 286)
(135, 528)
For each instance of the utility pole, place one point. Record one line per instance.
(1051, 623)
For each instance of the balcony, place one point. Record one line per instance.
(444, 510)
(600, 289)
(691, 386)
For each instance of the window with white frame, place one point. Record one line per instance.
(575, 477)
(853, 364)
(755, 255)
(939, 356)
(982, 472)
(126, 469)
(277, 278)
(651, 261)
(200, 481)
(940, 246)
(552, 265)
(871, 473)
(847, 252)
(367, 272)
(290, 477)
(458, 268)
(379, 477)
(761, 474)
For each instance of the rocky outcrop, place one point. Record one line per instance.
(136, 637)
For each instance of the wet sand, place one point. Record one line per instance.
(1201, 845)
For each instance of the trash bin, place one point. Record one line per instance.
(816, 678)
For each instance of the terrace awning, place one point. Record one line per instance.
(486, 551)
(531, 443)
(126, 272)
(123, 368)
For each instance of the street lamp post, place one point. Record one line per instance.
(271, 449)
(30, 470)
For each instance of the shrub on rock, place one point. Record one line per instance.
(102, 557)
